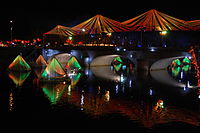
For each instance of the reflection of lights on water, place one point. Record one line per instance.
(57, 93)
(11, 101)
(107, 96)
(123, 88)
(117, 89)
(150, 92)
(130, 83)
(160, 104)
(122, 78)
(82, 101)
(188, 84)
(69, 90)
(181, 74)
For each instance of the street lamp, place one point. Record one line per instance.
(11, 30)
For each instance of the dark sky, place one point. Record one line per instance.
(31, 19)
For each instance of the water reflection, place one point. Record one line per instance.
(18, 77)
(54, 91)
(106, 90)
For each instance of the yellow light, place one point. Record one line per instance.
(163, 33)
(109, 34)
(70, 38)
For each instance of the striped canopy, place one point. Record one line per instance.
(156, 21)
(195, 24)
(100, 24)
(61, 30)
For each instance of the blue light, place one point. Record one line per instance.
(92, 36)
(118, 49)
(150, 92)
(152, 49)
(117, 88)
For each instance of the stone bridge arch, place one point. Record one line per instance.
(105, 60)
(163, 63)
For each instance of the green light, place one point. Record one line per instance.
(177, 62)
(163, 33)
(70, 37)
(19, 64)
(117, 67)
(53, 70)
(186, 67)
(18, 77)
(118, 59)
(54, 92)
(72, 62)
(186, 60)
(175, 71)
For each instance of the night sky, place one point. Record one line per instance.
(35, 18)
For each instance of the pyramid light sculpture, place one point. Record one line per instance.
(73, 63)
(67, 61)
(19, 64)
(53, 70)
(40, 61)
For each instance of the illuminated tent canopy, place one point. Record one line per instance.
(53, 70)
(19, 64)
(156, 21)
(100, 24)
(61, 31)
(195, 24)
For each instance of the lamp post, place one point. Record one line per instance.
(11, 29)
